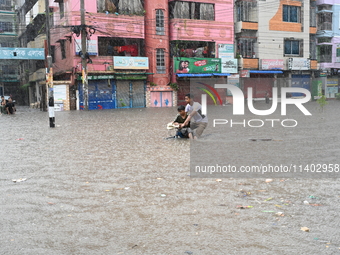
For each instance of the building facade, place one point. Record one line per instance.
(144, 54)
(275, 39)
(328, 44)
(9, 82)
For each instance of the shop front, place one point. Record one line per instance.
(124, 90)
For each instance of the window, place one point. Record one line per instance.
(160, 22)
(62, 48)
(40, 64)
(292, 47)
(291, 13)
(7, 44)
(325, 53)
(191, 10)
(246, 47)
(312, 15)
(61, 8)
(324, 40)
(160, 61)
(5, 5)
(8, 70)
(192, 49)
(312, 47)
(116, 46)
(337, 55)
(6, 27)
(325, 21)
(123, 7)
(246, 11)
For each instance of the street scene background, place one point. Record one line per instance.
(107, 182)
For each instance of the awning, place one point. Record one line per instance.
(194, 74)
(265, 71)
(221, 74)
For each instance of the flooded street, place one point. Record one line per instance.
(107, 182)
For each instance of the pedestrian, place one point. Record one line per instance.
(184, 131)
(2, 105)
(198, 121)
(10, 107)
(267, 97)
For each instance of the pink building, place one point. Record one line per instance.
(200, 31)
(131, 48)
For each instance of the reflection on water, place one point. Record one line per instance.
(107, 182)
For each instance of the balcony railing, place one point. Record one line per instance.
(325, 26)
(6, 7)
(325, 59)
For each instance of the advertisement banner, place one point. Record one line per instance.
(130, 63)
(197, 65)
(244, 73)
(92, 46)
(298, 64)
(229, 65)
(270, 64)
(226, 50)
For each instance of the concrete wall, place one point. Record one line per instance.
(272, 30)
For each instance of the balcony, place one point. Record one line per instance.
(114, 25)
(313, 64)
(325, 26)
(200, 30)
(249, 63)
(312, 30)
(242, 25)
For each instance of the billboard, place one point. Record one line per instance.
(298, 64)
(130, 63)
(92, 46)
(272, 64)
(226, 50)
(197, 65)
(229, 65)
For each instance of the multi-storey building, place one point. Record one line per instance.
(9, 83)
(115, 52)
(201, 33)
(139, 53)
(131, 47)
(275, 39)
(31, 19)
(328, 44)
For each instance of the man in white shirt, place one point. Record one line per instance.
(198, 122)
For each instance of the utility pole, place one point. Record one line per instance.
(83, 56)
(49, 71)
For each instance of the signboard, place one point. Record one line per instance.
(197, 65)
(92, 46)
(98, 77)
(130, 63)
(272, 64)
(229, 65)
(332, 82)
(298, 64)
(22, 53)
(226, 50)
(59, 93)
(245, 74)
